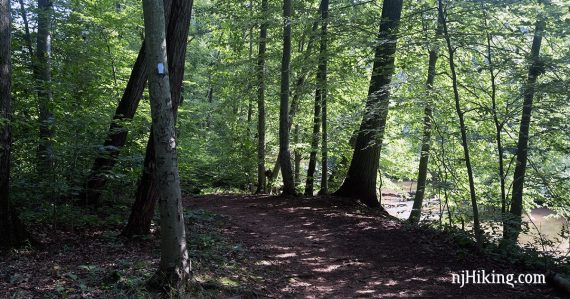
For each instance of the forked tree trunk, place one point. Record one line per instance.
(462, 126)
(360, 182)
(174, 269)
(43, 85)
(12, 232)
(284, 154)
(261, 97)
(298, 89)
(512, 225)
(117, 134)
(147, 193)
(416, 212)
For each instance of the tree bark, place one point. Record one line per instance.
(12, 231)
(261, 98)
(416, 212)
(297, 156)
(284, 153)
(43, 81)
(360, 182)
(323, 60)
(512, 225)
(174, 269)
(498, 124)
(298, 89)
(462, 127)
(320, 96)
(147, 191)
(117, 134)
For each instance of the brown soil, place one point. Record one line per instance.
(313, 248)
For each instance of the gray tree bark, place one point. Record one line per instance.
(43, 82)
(174, 268)
(284, 153)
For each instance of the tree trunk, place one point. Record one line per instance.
(309, 184)
(147, 191)
(416, 212)
(462, 127)
(512, 225)
(323, 59)
(320, 97)
(298, 89)
(12, 231)
(117, 134)
(297, 156)
(174, 269)
(284, 154)
(43, 81)
(360, 182)
(498, 124)
(261, 97)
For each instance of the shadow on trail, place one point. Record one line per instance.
(317, 248)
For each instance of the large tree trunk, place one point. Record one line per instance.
(174, 269)
(261, 97)
(117, 134)
(416, 212)
(512, 225)
(462, 127)
(360, 182)
(12, 232)
(43, 81)
(284, 153)
(147, 191)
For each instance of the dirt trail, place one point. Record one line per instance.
(311, 249)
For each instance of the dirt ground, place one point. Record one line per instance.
(308, 248)
(259, 247)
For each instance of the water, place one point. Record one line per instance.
(545, 227)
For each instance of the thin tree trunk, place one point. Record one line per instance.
(320, 95)
(360, 182)
(12, 231)
(498, 124)
(147, 191)
(323, 60)
(297, 156)
(298, 89)
(309, 184)
(117, 134)
(512, 225)
(43, 81)
(462, 127)
(416, 212)
(27, 35)
(284, 154)
(261, 98)
(174, 269)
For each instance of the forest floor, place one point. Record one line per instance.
(260, 246)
